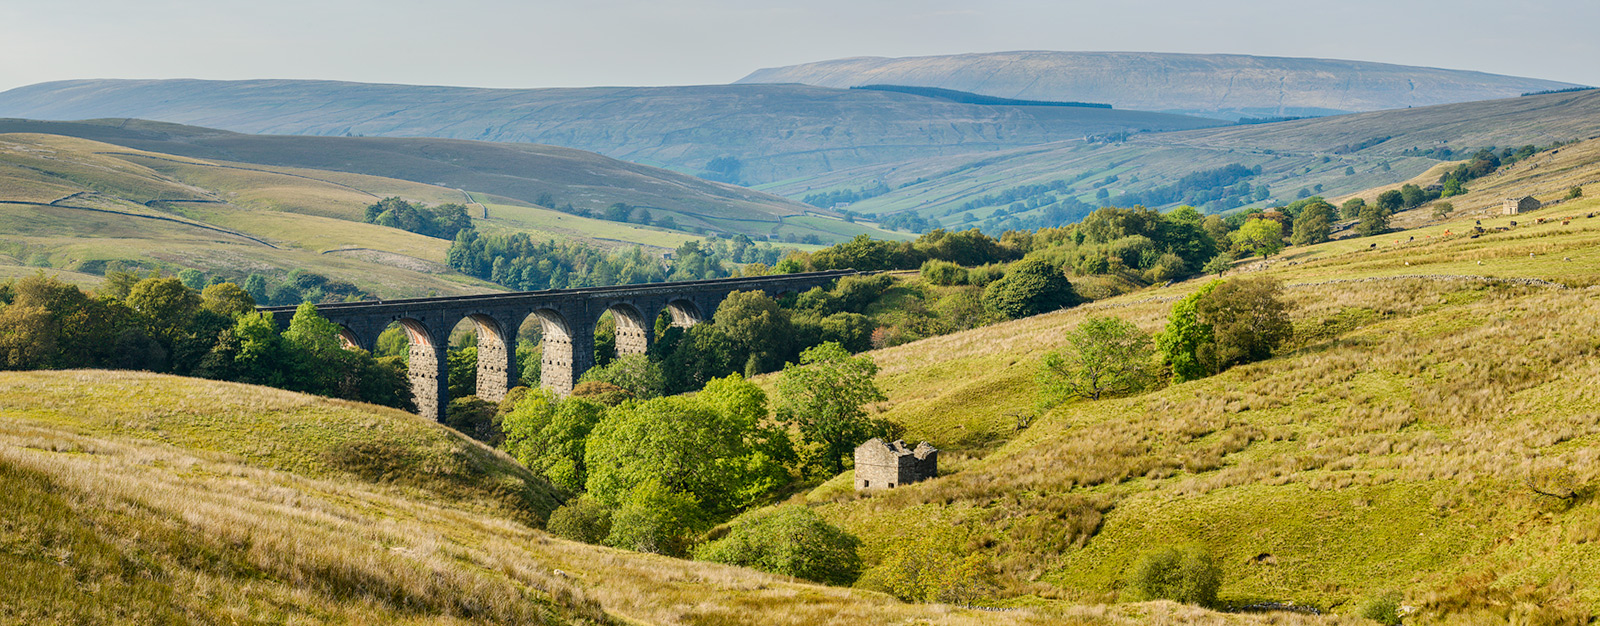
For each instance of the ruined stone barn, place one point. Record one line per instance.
(881, 465)
(1513, 206)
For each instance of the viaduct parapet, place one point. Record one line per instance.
(567, 318)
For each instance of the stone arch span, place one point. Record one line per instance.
(568, 349)
(425, 368)
(350, 340)
(496, 354)
(634, 329)
(684, 312)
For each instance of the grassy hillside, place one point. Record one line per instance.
(1399, 445)
(1215, 85)
(521, 175)
(775, 132)
(78, 205)
(1332, 156)
(138, 498)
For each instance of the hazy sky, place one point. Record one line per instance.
(504, 43)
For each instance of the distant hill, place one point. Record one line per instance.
(745, 133)
(525, 174)
(1327, 156)
(1227, 86)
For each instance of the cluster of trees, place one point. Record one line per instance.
(1220, 325)
(158, 324)
(1216, 190)
(297, 287)
(654, 474)
(1483, 163)
(829, 199)
(442, 221)
(724, 169)
(908, 221)
(969, 247)
(517, 261)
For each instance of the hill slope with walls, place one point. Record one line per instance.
(1331, 156)
(517, 176)
(81, 206)
(1439, 383)
(1228, 86)
(775, 132)
(136, 498)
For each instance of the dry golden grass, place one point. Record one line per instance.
(174, 497)
(1389, 451)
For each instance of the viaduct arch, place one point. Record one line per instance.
(566, 316)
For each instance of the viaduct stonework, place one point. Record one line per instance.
(567, 317)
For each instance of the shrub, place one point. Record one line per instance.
(601, 392)
(1575, 192)
(857, 292)
(944, 273)
(581, 519)
(789, 541)
(1167, 267)
(1183, 575)
(656, 519)
(634, 373)
(1219, 264)
(1181, 341)
(1383, 609)
(475, 418)
(1248, 321)
(932, 563)
(982, 275)
(1033, 286)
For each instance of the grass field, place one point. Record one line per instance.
(174, 500)
(1293, 155)
(1396, 447)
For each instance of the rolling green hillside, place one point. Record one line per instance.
(505, 174)
(135, 498)
(774, 132)
(1438, 383)
(1330, 156)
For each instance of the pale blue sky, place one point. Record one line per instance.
(499, 43)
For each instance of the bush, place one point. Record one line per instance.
(1248, 321)
(601, 392)
(1033, 286)
(1182, 575)
(1575, 192)
(1383, 609)
(1104, 355)
(581, 519)
(789, 541)
(856, 293)
(944, 273)
(634, 373)
(982, 275)
(656, 519)
(932, 563)
(475, 418)
(1219, 264)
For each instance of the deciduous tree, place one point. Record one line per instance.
(1103, 355)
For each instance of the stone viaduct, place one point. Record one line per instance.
(566, 316)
